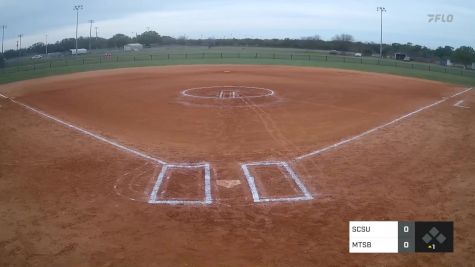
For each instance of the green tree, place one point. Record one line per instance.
(37, 48)
(464, 55)
(119, 40)
(444, 52)
(2, 61)
(342, 41)
(148, 38)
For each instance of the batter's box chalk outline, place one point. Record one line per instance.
(255, 193)
(156, 188)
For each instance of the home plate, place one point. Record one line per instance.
(228, 183)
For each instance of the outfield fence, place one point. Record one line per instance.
(123, 58)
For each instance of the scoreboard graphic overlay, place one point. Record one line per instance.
(400, 236)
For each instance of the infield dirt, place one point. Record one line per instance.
(69, 199)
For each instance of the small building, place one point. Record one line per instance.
(399, 56)
(133, 47)
(80, 51)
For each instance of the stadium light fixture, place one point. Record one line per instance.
(91, 21)
(77, 8)
(381, 9)
(3, 34)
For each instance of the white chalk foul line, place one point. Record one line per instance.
(3, 96)
(319, 151)
(206, 166)
(93, 135)
(255, 193)
(153, 199)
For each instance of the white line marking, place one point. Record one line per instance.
(3, 96)
(186, 92)
(96, 136)
(319, 151)
(153, 199)
(459, 104)
(255, 193)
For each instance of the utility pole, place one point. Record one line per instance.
(3, 34)
(96, 37)
(381, 9)
(77, 8)
(90, 32)
(20, 35)
(46, 45)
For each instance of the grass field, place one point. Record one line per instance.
(28, 68)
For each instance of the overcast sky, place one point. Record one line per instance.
(405, 21)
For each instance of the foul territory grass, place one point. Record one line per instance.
(89, 64)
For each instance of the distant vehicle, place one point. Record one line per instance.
(407, 58)
(133, 47)
(37, 57)
(358, 55)
(79, 51)
(333, 52)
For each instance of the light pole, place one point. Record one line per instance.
(77, 8)
(90, 32)
(381, 9)
(3, 34)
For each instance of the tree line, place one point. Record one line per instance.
(343, 43)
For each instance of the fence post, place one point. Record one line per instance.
(117, 59)
(34, 66)
(326, 58)
(361, 60)
(151, 57)
(429, 67)
(344, 59)
(134, 58)
(412, 65)
(461, 72)
(83, 61)
(291, 57)
(256, 55)
(239, 55)
(273, 56)
(50, 65)
(186, 55)
(168, 56)
(309, 57)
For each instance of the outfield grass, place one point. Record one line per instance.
(230, 55)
